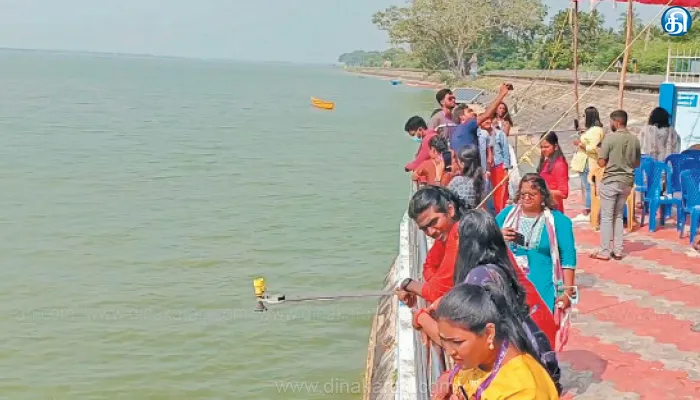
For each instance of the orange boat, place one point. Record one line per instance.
(322, 104)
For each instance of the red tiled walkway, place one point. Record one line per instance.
(636, 332)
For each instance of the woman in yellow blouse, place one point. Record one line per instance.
(585, 161)
(493, 356)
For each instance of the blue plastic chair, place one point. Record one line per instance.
(690, 183)
(691, 153)
(674, 161)
(688, 164)
(641, 183)
(657, 198)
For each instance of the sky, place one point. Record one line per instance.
(311, 31)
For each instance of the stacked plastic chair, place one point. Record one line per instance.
(674, 161)
(691, 153)
(690, 193)
(657, 198)
(688, 164)
(641, 182)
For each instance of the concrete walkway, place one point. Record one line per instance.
(636, 332)
(634, 81)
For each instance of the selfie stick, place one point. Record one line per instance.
(263, 298)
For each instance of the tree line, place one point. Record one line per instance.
(512, 34)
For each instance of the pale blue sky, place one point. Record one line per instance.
(270, 30)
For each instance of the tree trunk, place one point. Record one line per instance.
(461, 66)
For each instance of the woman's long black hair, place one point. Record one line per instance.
(471, 160)
(592, 118)
(473, 307)
(551, 138)
(506, 116)
(659, 118)
(481, 243)
(435, 196)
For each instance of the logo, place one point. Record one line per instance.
(676, 21)
(687, 100)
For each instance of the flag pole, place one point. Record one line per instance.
(626, 56)
(575, 48)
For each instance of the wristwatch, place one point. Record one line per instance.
(404, 284)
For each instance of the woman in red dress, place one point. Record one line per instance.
(554, 169)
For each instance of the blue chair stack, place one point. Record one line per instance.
(690, 193)
(674, 183)
(641, 180)
(691, 153)
(657, 199)
(688, 164)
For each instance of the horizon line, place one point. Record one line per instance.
(156, 56)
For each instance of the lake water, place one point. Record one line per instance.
(140, 197)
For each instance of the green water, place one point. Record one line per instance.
(141, 196)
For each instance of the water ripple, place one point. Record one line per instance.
(141, 196)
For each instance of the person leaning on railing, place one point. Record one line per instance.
(418, 130)
(483, 257)
(439, 168)
(436, 211)
(495, 359)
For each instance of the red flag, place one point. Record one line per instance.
(681, 3)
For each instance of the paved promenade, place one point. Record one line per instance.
(634, 81)
(636, 333)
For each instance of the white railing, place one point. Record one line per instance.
(683, 66)
(415, 374)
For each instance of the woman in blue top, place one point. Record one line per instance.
(542, 240)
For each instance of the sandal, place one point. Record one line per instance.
(597, 256)
(618, 257)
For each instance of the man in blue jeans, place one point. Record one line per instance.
(620, 154)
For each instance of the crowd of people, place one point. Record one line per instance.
(500, 276)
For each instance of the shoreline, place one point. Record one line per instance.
(637, 84)
(412, 78)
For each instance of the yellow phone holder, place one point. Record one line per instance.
(260, 289)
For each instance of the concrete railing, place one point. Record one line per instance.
(418, 366)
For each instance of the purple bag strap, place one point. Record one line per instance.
(453, 373)
(497, 367)
(481, 275)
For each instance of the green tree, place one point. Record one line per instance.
(398, 58)
(361, 58)
(557, 42)
(444, 33)
(651, 48)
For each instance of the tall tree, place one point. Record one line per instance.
(454, 29)
(556, 43)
